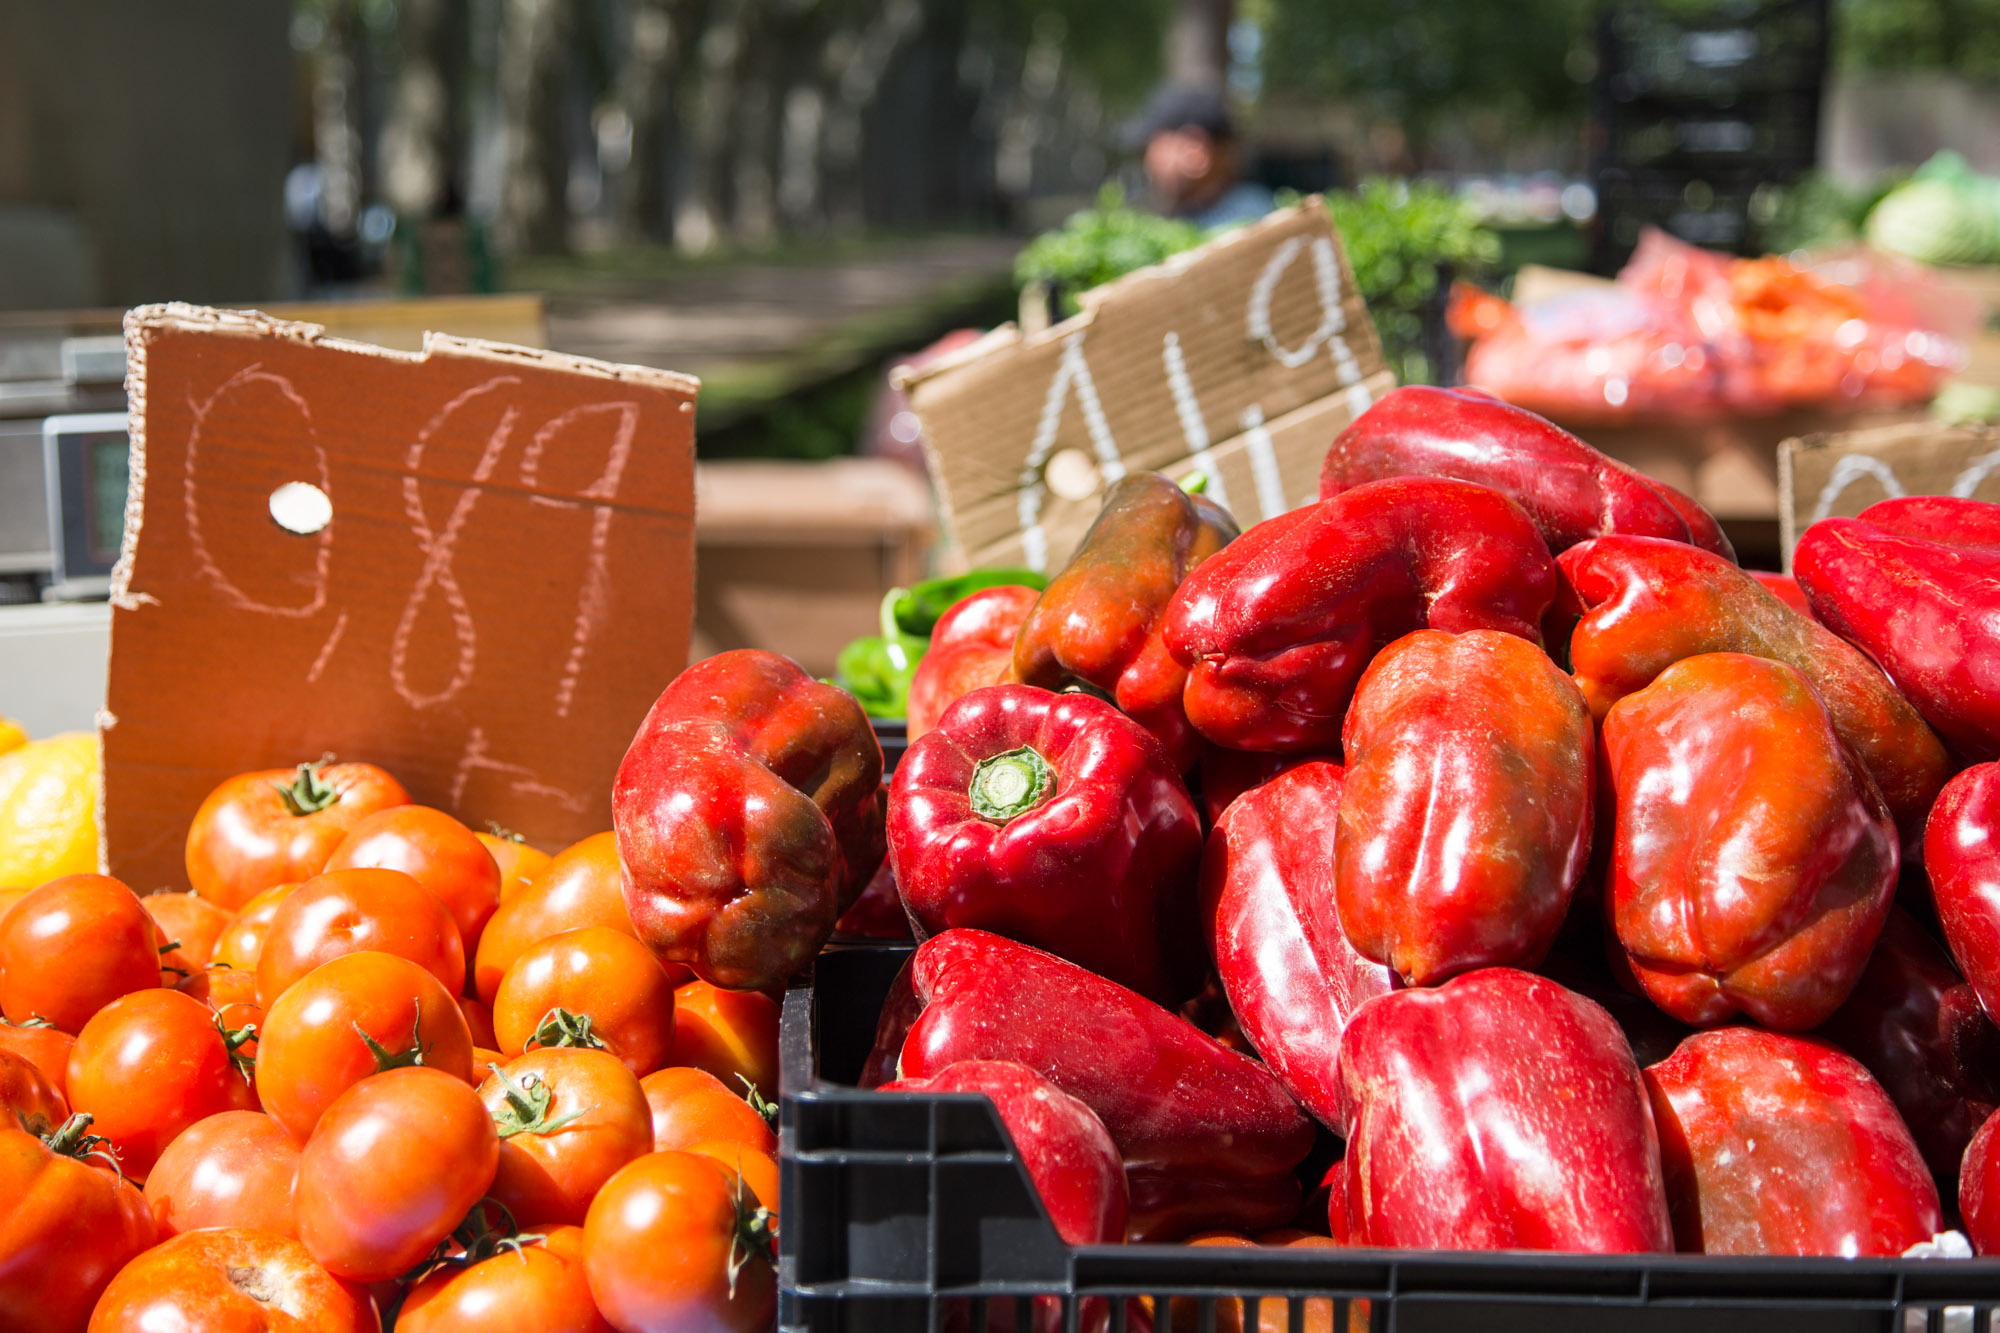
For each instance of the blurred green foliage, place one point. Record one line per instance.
(1423, 62)
(1406, 241)
(1098, 244)
(1816, 210)
(1962, 36)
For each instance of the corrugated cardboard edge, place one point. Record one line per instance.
(143, 323)
(1167, 270)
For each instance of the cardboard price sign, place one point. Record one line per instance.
(1240, 360)
(1838, 475)
(470, 565)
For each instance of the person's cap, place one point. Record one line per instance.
(1178, 106)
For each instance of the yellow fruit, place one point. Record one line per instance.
(11, 735)
(48, 809)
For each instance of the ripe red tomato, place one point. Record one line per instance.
(479, 1021)
(73, 946)
(279, 825)
(568, 1120)
(584, 885)
(188, 922)
(28, 1100)
(241, 943)
(348, 911)
(520, 865)
(541, 1287)
(69, 1224)
(438, 852)
(230, 1170)
(661, 1240)
(391, 1169)
(595, 973)
(692, 1106)
(315, 1042)
(42, 1045)
(728, 1033)
(147, 1066)
(231, 1279)
(757, 1170)
(218, 987)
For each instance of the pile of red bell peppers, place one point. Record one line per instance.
(1474, 858)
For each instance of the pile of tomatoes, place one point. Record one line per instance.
(376, 1069)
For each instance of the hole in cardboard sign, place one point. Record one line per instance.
(1072, 475)
(301, 507)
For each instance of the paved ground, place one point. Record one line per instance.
(710, 319)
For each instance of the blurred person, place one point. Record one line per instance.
(1193, 159)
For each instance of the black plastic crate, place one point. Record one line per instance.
(894, 735)
(907, 1212)
(1771, 134)
(1713, 54)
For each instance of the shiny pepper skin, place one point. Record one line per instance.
(1962, 858)
(1572, 491)
(1979, 1188)
(1068, 1152)
(1753, 860)
(1291, 975)
(1776, 1144)
(1465, 822)
(1099, 620)
(1917, 1026)
(1209, 1137)
(1277, 628)
(1498, 1111)
(972, 645)
(1650, 603)
(1055, 820)
(749, 812)
(1915, 583)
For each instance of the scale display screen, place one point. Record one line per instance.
(88, 461)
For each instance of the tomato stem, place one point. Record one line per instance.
(759, 1103)
(560, 1027)
(502, 832)
(385, 1059)
(754, 1234)
(527, 1109)
(73, 1139)
(237, 1038)
(306, 794)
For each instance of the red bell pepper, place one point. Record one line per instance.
(1783, 587)
(877, 914)
(1099, 620)
(1915, 582)
(1918, 1027)
(1056, 820)
(972, 645)
(1498, 1111)
(749, 816)
(1776, 1144)
(1753, 859)
(1068, 1152)
(1290, 974)
(1979, 1188)
(1465, 822)
(1570, 489)
(1275, 630)
(1649, 603)
(1226, 774)
(1962, 857)
(1209, 1137)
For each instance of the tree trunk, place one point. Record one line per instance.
(1198, 42)
(422, 153)
(337, 119)
(702, 214)
(855, 68)
(656, 52)
(534, 69)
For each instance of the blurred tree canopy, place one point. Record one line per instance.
(1962, 36)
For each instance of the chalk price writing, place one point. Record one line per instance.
(437, 535)
(1073, 376)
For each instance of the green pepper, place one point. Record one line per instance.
(917, 609)
(877, 669)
